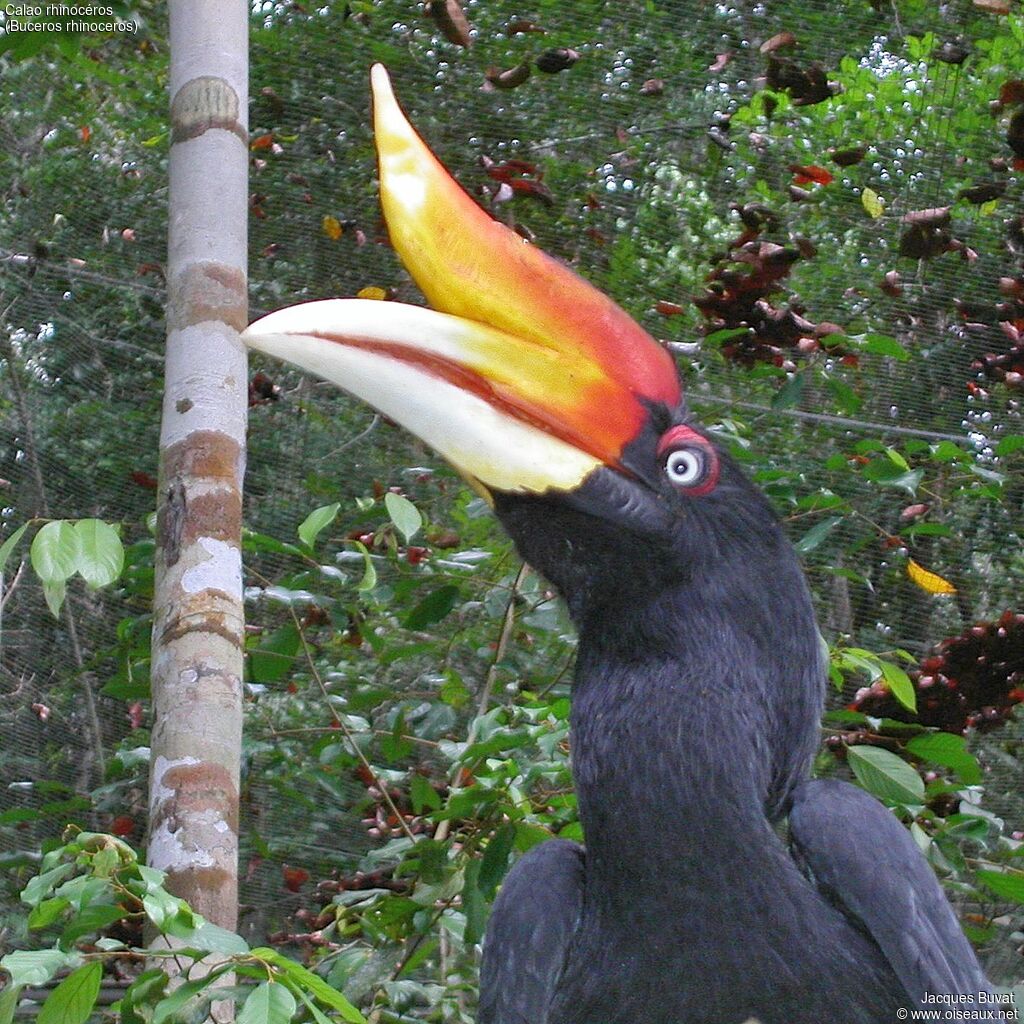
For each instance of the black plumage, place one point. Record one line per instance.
(696, 703)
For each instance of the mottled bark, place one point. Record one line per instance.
(198, 620)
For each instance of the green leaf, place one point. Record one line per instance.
(92, 918)
(846, 398)
(55, 551)
(47, 912)
(404, 515)
(55, 591)
(147, 988)
(317, 520)
(310, 982)
(494, 865)
(927, 530)
(474, 906)
(9, 1003)
(883, 345)
(1009, 885)
(274, 658)
(136, 688)
(885, 775)
(39, 887)
(318, 1015)
(268, 1003)
(162, 908)
(817, 534)
(947, 451)
(888, 473)
(71, 1002)
(100, 552)
(529, 835)
(36, 966)
(434, 607)
(170, 1006)
(253, 541)
(396, 746)
(900, 685)
(369, 580)
(152, 878)
(948, 750)
(897, 458)
(726, 334)
(790, 392)
(454, 691)
(207, 936)
(423, 795)
(10, 544)
(1007, 446)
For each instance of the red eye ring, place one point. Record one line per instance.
(705, 463)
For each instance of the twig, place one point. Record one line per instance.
(839, 421)
(7, 352)
(317, 729)
(507, 624)
(416, 942)
(9, 588)
(7, 592)
(558, 675)
(362, 435)
(340, 722)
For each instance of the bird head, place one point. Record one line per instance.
(534, 385)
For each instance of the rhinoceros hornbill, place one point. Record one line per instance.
(700, 676)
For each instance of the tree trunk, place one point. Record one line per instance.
(198, 616)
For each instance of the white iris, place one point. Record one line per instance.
(685, 467)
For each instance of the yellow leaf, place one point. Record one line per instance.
(872, 202)
(332, 227)
(928, 580)
(371, 292)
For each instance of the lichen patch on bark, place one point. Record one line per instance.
(223, 565)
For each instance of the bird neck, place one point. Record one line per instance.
(692, 721)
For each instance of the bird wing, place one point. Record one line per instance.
(866, 862)
(529, 934)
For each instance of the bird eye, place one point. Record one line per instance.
(686, 467)
(690, 460)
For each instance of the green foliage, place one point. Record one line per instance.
(887, 776)
(847, 660)
(317, 520)
(62, 549)
(92, 881)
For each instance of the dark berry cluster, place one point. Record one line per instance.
(972, 681)
(739, 294)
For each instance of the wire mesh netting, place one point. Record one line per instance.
(817, 205)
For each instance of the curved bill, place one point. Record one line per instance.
(523, 376)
